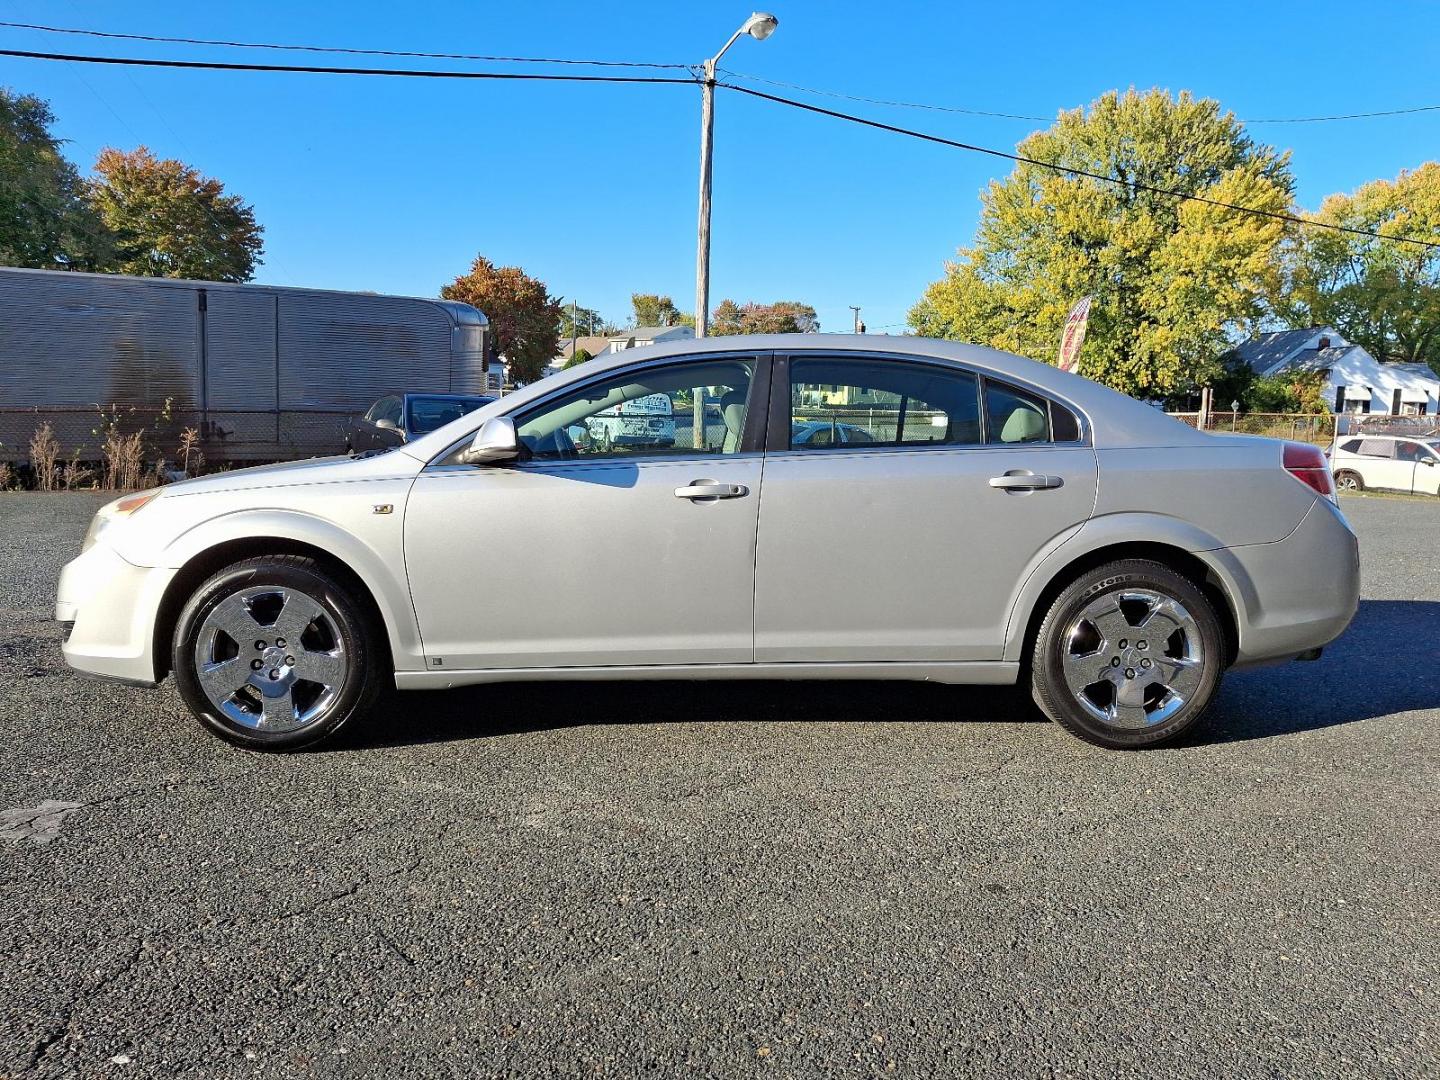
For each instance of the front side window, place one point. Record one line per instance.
(647, 412)
(838, 402)
(387, 408)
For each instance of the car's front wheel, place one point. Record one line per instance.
(1128, 656)
(275, 653)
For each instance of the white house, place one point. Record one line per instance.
(1358, 382)
(639, 336)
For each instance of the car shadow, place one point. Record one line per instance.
(1387, 661)
(417, 717)
(1358, 678)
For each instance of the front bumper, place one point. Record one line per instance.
(112, 606)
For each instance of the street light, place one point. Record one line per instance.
(760, 26)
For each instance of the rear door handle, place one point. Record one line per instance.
(1019, 480)
(711, 489)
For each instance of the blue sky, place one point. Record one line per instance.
(394, 185)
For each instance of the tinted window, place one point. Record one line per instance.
(645, 412)
(1377, 448)
(1013, 416)
(387, 408)
(881, 402)
(429, 413)
(1351, 447)
(1409, 451)
(1064, 425)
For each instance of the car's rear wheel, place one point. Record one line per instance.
(1129, 655)
(275, 653)
(1348, 480)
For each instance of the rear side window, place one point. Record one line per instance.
(1351, 447)
(1014, 416)
(837, 402)
(1377, 448)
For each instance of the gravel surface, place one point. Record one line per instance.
(732, 879)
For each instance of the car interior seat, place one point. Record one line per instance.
(732, 411)
(1024, 424)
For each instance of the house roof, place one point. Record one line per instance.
(1268, 351)
(1316, 359)
(647, 333)
(594, 344)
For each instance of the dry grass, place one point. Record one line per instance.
(76, 474)
(7, 476)
(191, 457)
(44, 458)
(123, 460)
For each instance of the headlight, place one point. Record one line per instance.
(113, 512)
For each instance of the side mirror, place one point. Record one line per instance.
(390, 431)
(495, 442)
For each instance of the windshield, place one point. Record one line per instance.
(428, 413)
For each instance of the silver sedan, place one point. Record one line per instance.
(998, 521)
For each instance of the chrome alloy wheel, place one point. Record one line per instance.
(270, 658)
(1133, 658)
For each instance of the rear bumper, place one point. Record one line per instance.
(1296, 594)
(112, 606)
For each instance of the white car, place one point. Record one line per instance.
(1391, 462)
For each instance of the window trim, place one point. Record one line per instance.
(778, 433)
(751, 439)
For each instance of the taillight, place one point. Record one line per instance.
(1307, 464)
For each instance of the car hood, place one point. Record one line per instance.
(322, 470)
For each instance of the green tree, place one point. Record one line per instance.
(781, 317)
(45, 220)
(577, 321)
(581, 355)
(651, 309)
(171, 221)
(1288, 392)
(1172, 280)
(523, 315)
(1379, 294)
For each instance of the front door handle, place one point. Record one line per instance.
(1020, 480)
(711, 489)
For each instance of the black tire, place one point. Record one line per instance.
(1054, 648)
(342, 618)
(1349, 480)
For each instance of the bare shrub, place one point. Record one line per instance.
(76, 475)
(124, 460)
(191, 457)
(7, 476)
(44, 458)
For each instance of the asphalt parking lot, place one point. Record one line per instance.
(732, 880)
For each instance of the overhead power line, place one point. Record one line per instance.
(1050, 119)
(884, 101)
(214, 65)
(331, 48)
(1071, 171)
(409, 73)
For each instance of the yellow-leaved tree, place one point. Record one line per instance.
(1173, 281)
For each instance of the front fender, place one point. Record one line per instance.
(377, 559)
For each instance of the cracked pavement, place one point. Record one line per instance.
(729, 879)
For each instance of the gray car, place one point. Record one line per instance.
(999, 521)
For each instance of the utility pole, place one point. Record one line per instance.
(760, 25)
(856, 310)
